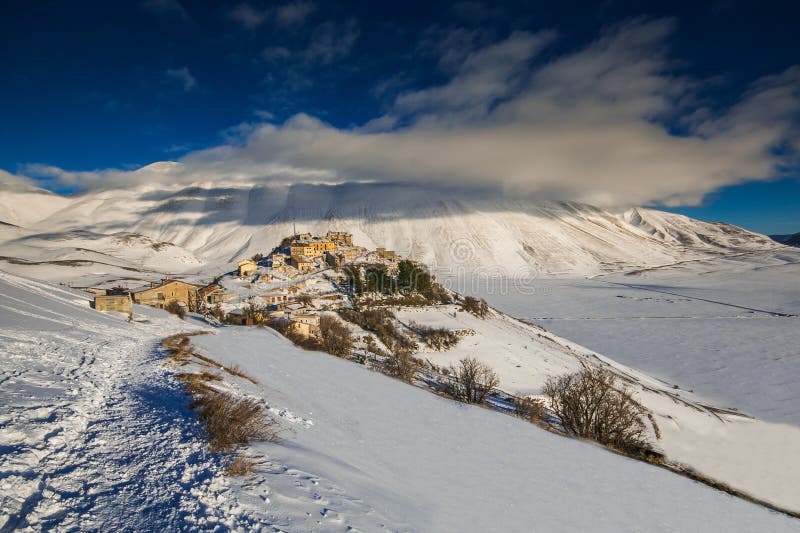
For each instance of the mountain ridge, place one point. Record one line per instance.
(788, 240)
(451, 230)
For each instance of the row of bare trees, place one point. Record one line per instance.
(590, 404)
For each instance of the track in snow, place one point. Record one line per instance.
(93, 432)
(663, 291)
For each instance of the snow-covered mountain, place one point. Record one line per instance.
(788, 240)
(185, 228)
(22, 204)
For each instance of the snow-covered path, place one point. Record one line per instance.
(93, 433)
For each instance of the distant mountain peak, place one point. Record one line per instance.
(788, 240)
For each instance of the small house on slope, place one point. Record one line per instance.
(168, 291)
(117, 299)
(214, 294)
(306, 325)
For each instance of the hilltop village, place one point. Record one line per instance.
(301, 278)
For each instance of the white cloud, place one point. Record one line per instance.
(450, 45)
(288, 15)
(331, 42)
(586, 126)
(275, 53)
(247, 16)
(484, 77)
(263, 114)
(294, 13)
(183, 77)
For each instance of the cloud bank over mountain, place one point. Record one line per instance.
(609, 124)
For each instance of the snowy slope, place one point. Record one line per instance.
(418, 462)
(451, 230)
(750, 455)
(95, 434)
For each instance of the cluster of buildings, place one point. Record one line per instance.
(250, 295)
(307, 251)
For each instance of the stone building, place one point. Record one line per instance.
(302, 263)
(116, 299)
(168, 291)
(247, 267)
(306, 325)
(214, 294)
(340, 238)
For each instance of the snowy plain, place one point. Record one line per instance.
(714, 327)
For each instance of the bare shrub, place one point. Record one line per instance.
(313, 344)
(254, 311)
(305, 299)
(531, 409)
(202, 377)
(336, 337)
(179, 347)
(381, 322)
(281, 325)
(400, 362)
(372, 347)
(471, 381)
(176, 308)
(436, 338)
(591, 405)
(236, 370)
(240, 466)
(229, 420)
(475, 306)
(402, 365)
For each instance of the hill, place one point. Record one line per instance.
(97, 434)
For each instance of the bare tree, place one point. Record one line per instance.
(176, 308)
(531, 409)
(336, 337)
(437, 338)
(471, 381)
(590, 404)
(475, 306)
(402, 364)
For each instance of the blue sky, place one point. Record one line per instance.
(92, 90)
